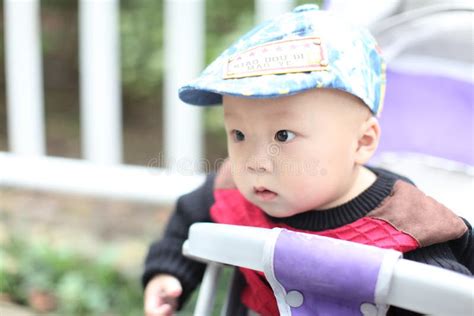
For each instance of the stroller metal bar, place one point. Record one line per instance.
(416, 286)
(207, 291)
(232, 304)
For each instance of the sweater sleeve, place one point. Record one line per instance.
(164, 256)
(463, 248)
(455, 255)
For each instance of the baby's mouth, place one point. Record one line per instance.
(264, 194)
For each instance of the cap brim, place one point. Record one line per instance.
(272, 86)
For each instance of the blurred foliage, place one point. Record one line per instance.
(59, 281)
(141, 24)
(142, 37)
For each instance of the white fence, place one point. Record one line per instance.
(101, 172)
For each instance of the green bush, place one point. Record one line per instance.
(76, 285)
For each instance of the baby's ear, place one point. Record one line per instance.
(368, 140)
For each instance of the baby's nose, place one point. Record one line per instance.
(259, 164)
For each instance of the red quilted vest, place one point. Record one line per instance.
(231, 207)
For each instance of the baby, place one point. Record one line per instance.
(301, 95)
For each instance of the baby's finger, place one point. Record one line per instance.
(163, 310)
(172, 289)
(152, 303)
(174, 292)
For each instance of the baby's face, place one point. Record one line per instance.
(295, 153)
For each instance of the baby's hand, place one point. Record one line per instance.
(161, 295)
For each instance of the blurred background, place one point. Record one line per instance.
(95, 147)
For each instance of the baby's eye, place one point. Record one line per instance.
(284, 136)
(238, 135)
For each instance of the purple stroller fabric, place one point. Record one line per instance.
(430, 115)
(315, 275)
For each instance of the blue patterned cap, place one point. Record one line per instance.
(301, 50)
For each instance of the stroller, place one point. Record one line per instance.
(369, 279)
(428, 134)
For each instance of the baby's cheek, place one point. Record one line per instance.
(237, 170)
(309, 193)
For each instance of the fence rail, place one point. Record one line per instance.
(84, 177)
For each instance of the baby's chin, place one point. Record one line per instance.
(278, 207)
(277, 211)
(282, 211)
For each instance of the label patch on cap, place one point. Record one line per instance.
(281, 57)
